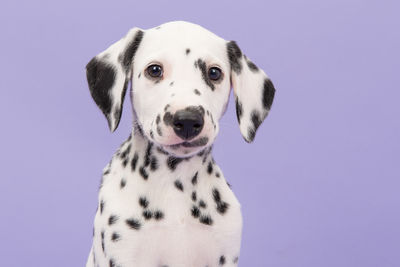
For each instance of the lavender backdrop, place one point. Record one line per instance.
(320, 186)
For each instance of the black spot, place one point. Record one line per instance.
(143, 202)
(210, 168)
(206, 219)
(115, 237)
(187, 51)
(216, 195)
(133, 223)
(123, 183)
(134, 161)
(195, 211)
(148, 154)
(159, 130)
(194, 196)
(251, 65)
(204, 74)
(202, 204)
(106, 172)
(102, 204)
(236, 259)
(138, 129)
(172, 162)
(268, 94)
(197, 92)
(101, 78)
(222, 260)
(217, 174)
(102, 241)
(139, 75)
(222, 207)
(112, 263)
(239, 109)
(147, 214)
(194, 179)
(179, 185)
(125, 153)
(158, 215)
(143, 173)
(234, 55)
(158, 119)
(153, 163)
(166, 107)
(112, 219)
(151, 134)
(171, 84)
(168, 118)
(125, 162)
(130, 51)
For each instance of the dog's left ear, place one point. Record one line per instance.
(254, 91)
(108, 75)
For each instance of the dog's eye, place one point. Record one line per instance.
(214, 73)
(154, 71)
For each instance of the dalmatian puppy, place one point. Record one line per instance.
(163, 201)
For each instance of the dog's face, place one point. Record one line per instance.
(181, 75)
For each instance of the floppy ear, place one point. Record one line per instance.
(108, 75)
(254, 92)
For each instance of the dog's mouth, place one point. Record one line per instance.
(202, 141)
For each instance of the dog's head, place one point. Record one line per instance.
(181, 75)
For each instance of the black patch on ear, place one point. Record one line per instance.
(130, 51)
(256, 120)
(239, 109)
(203, 68)
(234, 55)
(251, 65)
(187, 51)
(101, 78)
(268, 94)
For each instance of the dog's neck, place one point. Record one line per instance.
(147, 157)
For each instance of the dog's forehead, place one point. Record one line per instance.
(183, 36)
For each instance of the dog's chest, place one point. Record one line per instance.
(169, 214)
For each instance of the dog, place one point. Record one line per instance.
(163, 201)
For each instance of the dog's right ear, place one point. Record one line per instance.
(108, 75)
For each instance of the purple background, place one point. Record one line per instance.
(320, 186)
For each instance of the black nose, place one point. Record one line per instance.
(188, 123)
